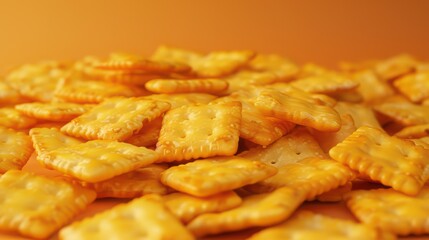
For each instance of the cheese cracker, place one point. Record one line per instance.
(53, 111)
(255, 211)
(396, 66)
(307, 225)
(115, 118)
(391, 210)
(98, 160)
(392, 161)
(12, 118)
(212, 176)
(212, 86)
(417, 131)
(325, 83)
(148, 134)
(283, 69)
(36, 206)
(199, 131)
(414, 86)
(180, 99)
(9, 95)
(142, 218)
(15, 149)
(371, 87)
(405, 113)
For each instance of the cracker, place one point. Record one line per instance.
(391, 210)
(88, 91)
(142, 181)
(49, 139)
(326, 83)
(335, 195)
(148, 134)
(12, 118)
(212, 86)
(245, 78)
(15, 149)
(9, 95)
(115, 118)
(298, 107)
(187, 207)
(362, 115)
(142, 218)
(417, 131)
(291, 148)
(395, 66)
(200, 131)
(98, 160)
(180, 99)
(392, 161)
(308, 225)
(255, 211)
(313, 176)
(371, 87)
(405, 113)
(414, 86)
(208, 177)
(37, 206)
(423, 142)
(284, 69)
(53, 111)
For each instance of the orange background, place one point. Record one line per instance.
(321, 31)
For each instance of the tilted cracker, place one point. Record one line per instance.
(395, 66)
(423, 142)
(307, 225)
(255, 211)
(291, 148)
(180, 99)
(335, 195)
(9, 95)
(313, 176)
(284, 69)
(417, 131)
(174, 55)
(352, 96)
(120, 76)
(53, 111)
(208, 177)
(37, 206)
(12, 118)
(49, 139)
(187, 207)
(148, 134)
(15, 149)
(142, 218)
(351, 67)
(98, 160)
(392, 161)
(199, 131)
(89, 91)
(115, 118)
(405, 113)
(245, 78)
(186, 86)
(325, 83)
(142, 181)
(298, 107)
(371, 87)
(414, 86)
(362, 115)
(391, 210)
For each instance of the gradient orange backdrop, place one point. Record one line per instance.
(323, 31)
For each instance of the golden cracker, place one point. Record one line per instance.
(15, 149)
(255, 211)
(298, 107)
(142, 218)
(417, 131)
(284, 69)
(325, 83)
(405, 113)
(199, 131)
(12, 118)
(423, 142)
(148, 134)
(371, 87)
(36, 206)
(98, 160)
(291, 148)
(115, 118)
(212, 86)
(392, 161)
(9, 95)
(335, 195)
(225, 173)
(180, 99)
(414, 86)
(313, 176)
(243, 79)
(396, 66)
(53, 111)
(142, 181)
(308, 225)
(362, 115)
(187, 207)
(391, 210)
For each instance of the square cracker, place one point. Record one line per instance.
(417, 131)
(298, 107)
(284, 69)
(414, 86)
(203, 85)
(115, 118)
(391, 210)
(325, 83)
(255, 211)
(405, 113)
(392, 161)
(15, 149)
(200, 131)
(142, 218)
(313, 176)
(307, 225)
(98, 160)
(54, 111)
(37, 206)
(180, 99)
(225, 173)
(12, 118)
(371, 87)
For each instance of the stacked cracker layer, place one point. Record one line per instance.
(206, 144)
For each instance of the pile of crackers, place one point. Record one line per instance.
(206, 144)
